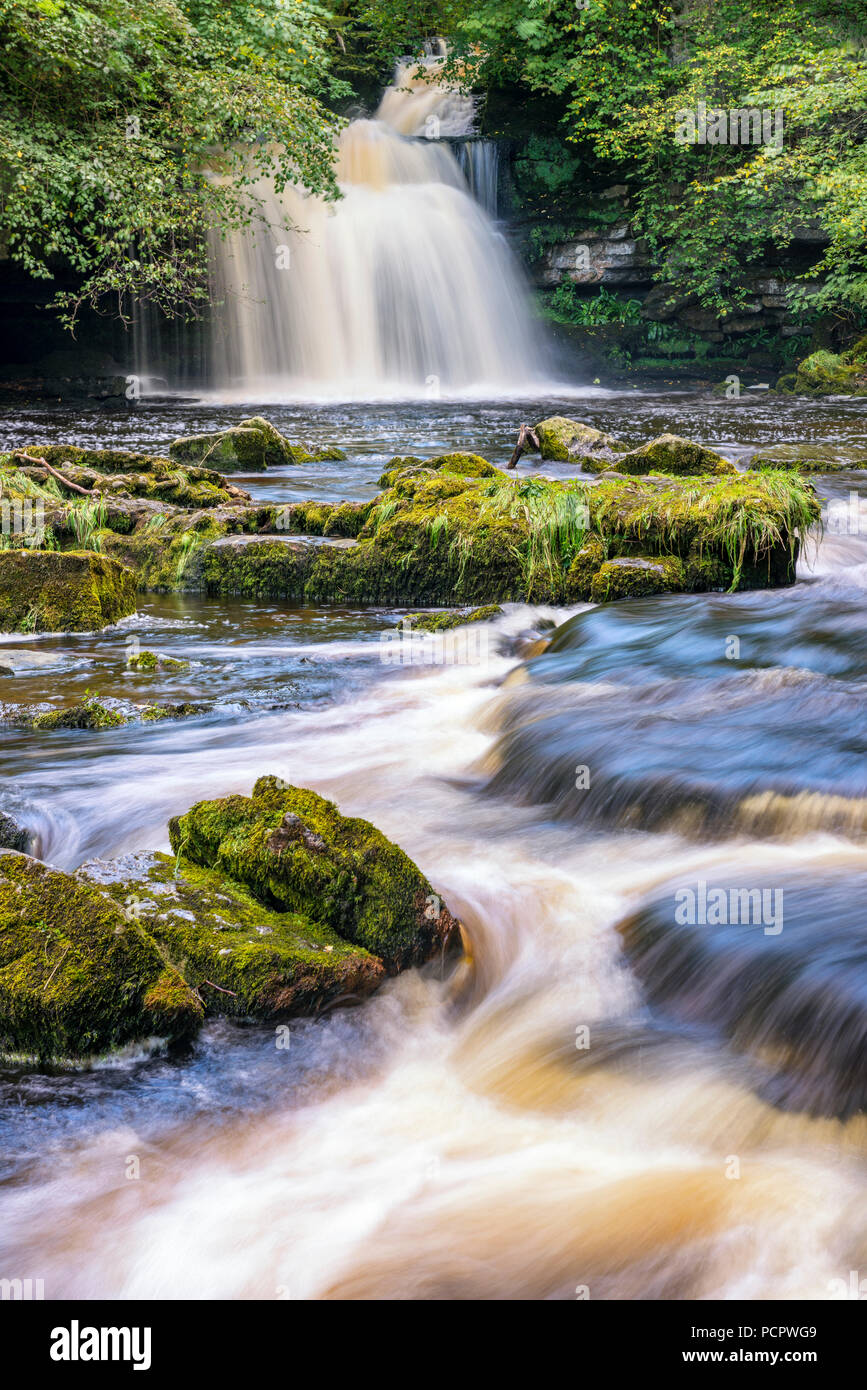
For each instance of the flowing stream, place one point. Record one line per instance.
(457, 1136)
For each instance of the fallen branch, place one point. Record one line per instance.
(219, 987)
(525, 433)
(43, 463)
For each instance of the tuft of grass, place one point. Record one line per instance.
(557, 520)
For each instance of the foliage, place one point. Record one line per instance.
(112, 113)
(567, 305)
(621, 70)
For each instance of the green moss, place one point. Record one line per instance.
(77, 977)
(154, 661)
(571, 441)
(242, 958)
(441, 622)
(69, 591)
(828, 374)
(90, 714)
(636, 576)
(669, 453)
(296, 853)
(231, 450)
(588, 560)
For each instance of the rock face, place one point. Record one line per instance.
(295, 852)
(63, 591)
(76, 975)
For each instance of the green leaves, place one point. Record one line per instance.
(111, 115)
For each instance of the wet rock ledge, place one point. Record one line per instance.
(272, 906)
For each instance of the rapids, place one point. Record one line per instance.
(454, 1136)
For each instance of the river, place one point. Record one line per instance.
(456, 1136)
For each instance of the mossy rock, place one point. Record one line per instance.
(242, 958)
(443, 622)
(826, 373)
(295, 852)
(237, 449)
(810, 458)
(63, 591)
(77, 976)
(588, 560)
(90, 714)
(99, 460)
(400, 465)
(669, 453)
(571, 441)
(155, 661)
(279, 450)
(636, 576)
(13, 835)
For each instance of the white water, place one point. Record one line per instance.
(405, 288)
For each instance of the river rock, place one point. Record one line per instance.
(63, 591)
(245, 959)
(77, 975)
(669, 453)
(571, 441)
(810, 458)
(13, 835)
(294, 851)
(232, 450)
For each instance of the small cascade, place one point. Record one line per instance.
(479, 162)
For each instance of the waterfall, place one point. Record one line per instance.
(405, 287)
(479, 161)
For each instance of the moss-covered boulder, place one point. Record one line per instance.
(238, 449)
(462, 465)
(279, 450)
(295, 852)
(77, 975)
(444, 622)
(244, 959)
(668, 453)
(68, 591)
(571, 441)
(826, 373)
(636, 576)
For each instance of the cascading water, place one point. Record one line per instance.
(403, 288)
(480, 165)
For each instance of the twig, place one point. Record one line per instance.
(219, 987)
(43, 463)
